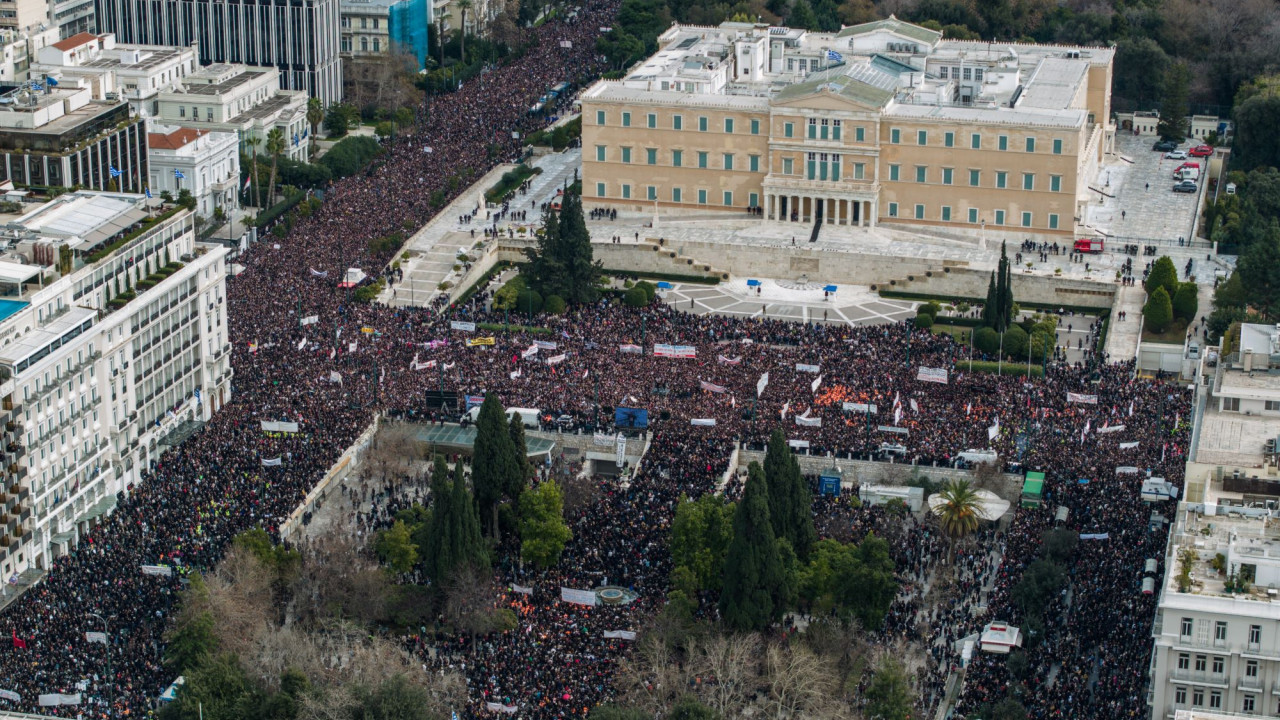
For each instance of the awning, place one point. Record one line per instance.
(12, 273)
(464, 438)
(103, 506)
(63, 538)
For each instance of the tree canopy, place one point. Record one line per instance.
(753, 573)
(562, 264)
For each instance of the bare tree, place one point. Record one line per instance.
(240, 600)
(651, 678)
(729, 666)
(339, 580)
(470, 604)
(800, 685)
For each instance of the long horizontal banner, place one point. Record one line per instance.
(1082, 398)
(1109, 429)
(578, 597)
(10, 695)
(545, 344)
(862, 408)
(54, 699)
(933, 375)
(273, 462)
(703, 422)
(815, 369)
(809, 421)
(521, 589)
(556, 359)
(1095, 536)
(309, 320)
(675, 351)
(712, 387)
(728, 360)
(892, 429)
(630, 349)
(1129, 445)
(529, 352)
(161, 570)
(619, 635)
(479, 341)
(463, 326)
(499, 707)
(602, 439)
(1128, 470)
(281, 427)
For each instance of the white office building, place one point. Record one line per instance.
(134, 73)
(113, 346)
(18, 49)
(207, 163)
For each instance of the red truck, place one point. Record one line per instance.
(1088, 245)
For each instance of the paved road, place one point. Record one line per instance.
(1142, 185)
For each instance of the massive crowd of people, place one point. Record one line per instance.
(361, 358)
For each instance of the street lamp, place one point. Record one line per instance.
(106, 644)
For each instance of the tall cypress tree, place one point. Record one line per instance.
(1006, 298)
(582, 272)
(989, 307)
(790, 502)
(494, 470)
(1001, 317)
(520, 457)
(752, 568)
(469, 548)
(437, 550)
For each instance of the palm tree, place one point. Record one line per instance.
(959, 512)
(253, 143)
(464, 6)
(315, 116)
(275, 146)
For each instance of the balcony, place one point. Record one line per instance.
(803, 186)
(1251, 684)
(1199, 677)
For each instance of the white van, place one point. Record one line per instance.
(1187, 173)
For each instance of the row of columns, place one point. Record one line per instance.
(835, 211)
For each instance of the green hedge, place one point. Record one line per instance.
(267, 216)
(481, 281)
(947, 299)
(510, 180)
(1009, 368)
(499, 327)
(669, 277)
(958, 321)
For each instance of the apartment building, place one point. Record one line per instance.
(299, 38)
(18, 49)
(113, 344)
(884, 122)
(61, 136)
(206, 163)
(134, 73)
(23, 14)
(246, 101)
(73, 17)
(373, 27)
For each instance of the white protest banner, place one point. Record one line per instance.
(335, 376)
(10, 695)
(319, 274)
(808, 421)
(463, 326)
(994, 430)
(815, 369)
(621, 458)
(1129, 445)
(273, 462)
(493, 707)
(703, 422)
(545, 344)
(557, 359)
(1110, 429)
(630, 349)
(521, 589)
(1082, 398)
(863, 408)
(303, 344)
(711, 387)
(1128, 470)
(728, 360)
(619, 635)
(282, 427)
(578, 597)
(55, 699)
(351, 347)
(96, 637)
(161, 570)
(798, 444)
(814, 385)
(309, 320)
(602, 439)
(529, 352)
(675, 351)
(914, 407)
(933, 375)
(1095, 536)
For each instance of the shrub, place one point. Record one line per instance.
(1163, 274)
(528, 301)
(987, 340)
(1015, 341)
(1158, 312)
(930, 308)
(350, 155)
(1186, 301)
(924, 320)
(649, 289)
(636, 297)
(554, 304)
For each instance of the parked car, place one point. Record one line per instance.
(1165, 145)
(1201, 151)
(1176, 155)
(1186, 186)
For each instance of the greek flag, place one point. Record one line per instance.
(114, 171)
(178, 174)
(834, 56)
(147, 190)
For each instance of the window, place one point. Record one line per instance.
(946, 176)
(702, 123)
(1180, 696)
(600, 189)
(702, 160)
(1220, 633)
(677, 122)
(599, 117)
(1031, 144)
(755, 126)
(835, 129)
(1197, 698)
(922, 137)
(893, 172)
(1057, 146)
(942, 72)
(652, 193)
(1028, 181)
(1272, 405)
(1251, 668)
(1215, 700)
(753, 162)
(702, 197)
(1055, 183)
(1026, 219)
(1231, 404)
(859, 171)
(626, 155)
(675, 194)
(893, 209)
(651, 156)
(677, 158)
(728, 198)
(1003, 142)
(975, 178)
(1255, 635)
(626, 192)
(895, 136)
(377, 45)
(1217, 665)
(1202, 663)
(1184, 661)
(999, 217)
(975, 141)
(599, 153)
(788, 129)
(1002, 179)
(949, 139)
(728, 161)
(626, 119)
(651, 120)
(753, 200)
(922, 173)
(859, 134)
(787, 166)
(1247, 704)
(968, 73)
(728, 125)
(919, 211)
(973, 215)
(1053, 221)
(813, 129)
(946, 213)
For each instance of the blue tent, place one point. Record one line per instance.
(753, 283)
(664, 285)
(830, 288)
